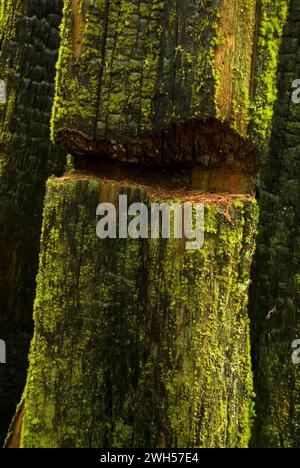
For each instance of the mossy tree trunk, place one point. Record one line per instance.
(184, 85)
(29, 41)
(139, 343)
(275, 298)
(141, 66)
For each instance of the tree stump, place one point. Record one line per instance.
(139, 342)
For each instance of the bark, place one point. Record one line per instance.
(131, 75)
(271, 17)
(139, 343)
(170, 84)
(275, 296)
(29, 41)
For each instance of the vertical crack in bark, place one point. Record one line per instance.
(102, 64)
(255, 47)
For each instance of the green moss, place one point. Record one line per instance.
(138, 343)
(10, 12)
(77, 78)
(272, 17)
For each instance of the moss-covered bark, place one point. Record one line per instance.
(138, 343)
(275, 298)
(169, 83)
(271, 17)
(29, 40)
(10, 11)
(130, 73)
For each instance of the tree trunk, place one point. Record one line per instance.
(142, 343)
(275, 296)
(29, 41)
(170, 85)
(139, 343)
(130, 70)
